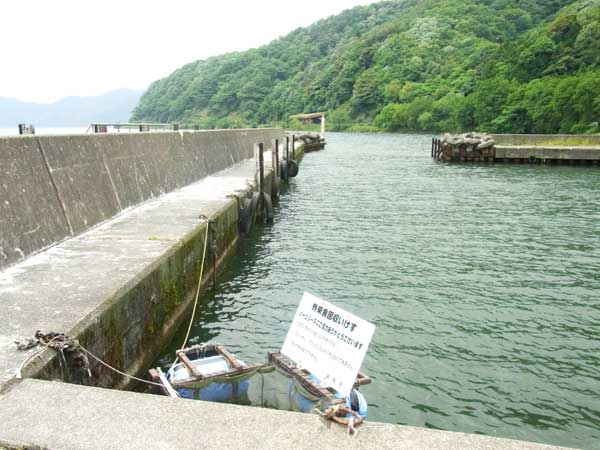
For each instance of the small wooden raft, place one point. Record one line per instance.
(302, 377)
(201, 351)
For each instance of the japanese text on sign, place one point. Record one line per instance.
(328, 342)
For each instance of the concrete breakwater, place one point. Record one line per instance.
(121, 287)
(55, 187)
(526, 148)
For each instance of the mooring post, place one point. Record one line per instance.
(275, 145)
(293, 146)
(432, 146)
(261, 177)
(287, 148)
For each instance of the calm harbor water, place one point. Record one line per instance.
(483, 282)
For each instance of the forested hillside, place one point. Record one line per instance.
(530, 66)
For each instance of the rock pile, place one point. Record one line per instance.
(467, 146)
(309, 138)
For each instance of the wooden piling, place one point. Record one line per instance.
(275, 145)
(261, 169)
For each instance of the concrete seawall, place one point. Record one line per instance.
(122, 287)
(54, 187)
(547, 154)
(547, 139)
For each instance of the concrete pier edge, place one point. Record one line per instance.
(60, 416)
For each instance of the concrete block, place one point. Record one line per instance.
(81, 178)
(219, 155)
(194, 154)
(143, 166)
(31, 217)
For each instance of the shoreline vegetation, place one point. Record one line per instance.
(495, 66)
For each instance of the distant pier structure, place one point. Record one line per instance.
(312, 141)
(26, 128)
(549, 149)
(312, 118)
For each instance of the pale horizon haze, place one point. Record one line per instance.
(55, 49)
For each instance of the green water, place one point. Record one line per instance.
(483, 282)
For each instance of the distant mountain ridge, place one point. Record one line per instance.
(114, 106)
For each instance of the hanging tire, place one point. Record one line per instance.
(267, 212)
(247, 213)
(283, 171)
(275, 185)
(292, 168)
(532, 160)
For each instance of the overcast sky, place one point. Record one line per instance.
(50, 49)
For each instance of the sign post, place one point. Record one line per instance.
(328, 342)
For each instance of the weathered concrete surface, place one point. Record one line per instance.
(547, 139)
(58, 416)
(61, 186)
(548, 152)
(145, 165)
(122, 287)
(82, 179)
(30, 212)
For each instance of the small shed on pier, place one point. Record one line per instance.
(312, 118)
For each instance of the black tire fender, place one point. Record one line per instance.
(247, 213)
(275, 187)
(292, 168)
(268, 208)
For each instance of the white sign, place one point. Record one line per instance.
(328, 342)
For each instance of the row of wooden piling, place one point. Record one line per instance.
(259, 153)
(436, 148)
(442, 151)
